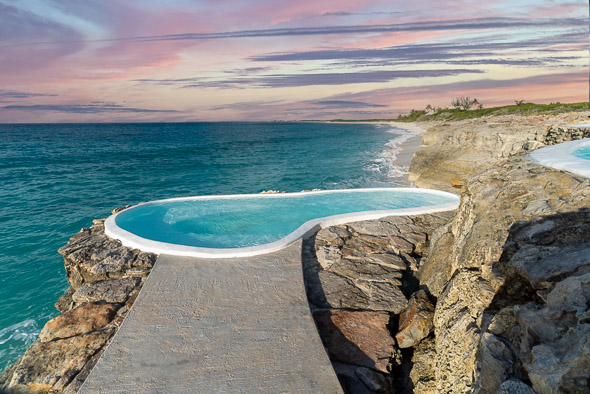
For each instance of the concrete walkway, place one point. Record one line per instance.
(238, 325)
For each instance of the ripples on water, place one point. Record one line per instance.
(54, 179)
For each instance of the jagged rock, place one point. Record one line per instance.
(464, 148)
(52, 365)
(338, 291)
(375, 381)
(514, 386)
(422, 374)
(521, 229)
(367, 269)
(65, 302)
(114, 291)
(70, 344)
(415, 322)
(541, 265)
(457, 332)
(361, 265)
(145, 260)
(91, 256)
(558, 338)
(78, 321)
(383, 295)
(356, 338)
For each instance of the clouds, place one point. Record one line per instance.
(259, 59)
(95, 108)
(470, 24)
(12, 94)
(347, 104)
(308, 79)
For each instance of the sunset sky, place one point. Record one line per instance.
(212, 60)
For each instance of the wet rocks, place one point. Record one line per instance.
(105, 278)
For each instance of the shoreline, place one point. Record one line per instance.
(510, 202)
(403, 152)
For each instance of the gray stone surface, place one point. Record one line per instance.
(464, 148)
(113, 291)
(224, 325)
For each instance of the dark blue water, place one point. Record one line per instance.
(54, 179)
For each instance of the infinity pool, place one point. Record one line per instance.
(572, 156)
(246, 225)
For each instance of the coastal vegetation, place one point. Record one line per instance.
(467, 108)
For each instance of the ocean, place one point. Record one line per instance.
(54, 179)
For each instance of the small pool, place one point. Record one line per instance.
(251, 224)
(572, 156)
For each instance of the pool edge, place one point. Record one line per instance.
(560, 157)
(131, 240)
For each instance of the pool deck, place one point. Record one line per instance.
(218, 325)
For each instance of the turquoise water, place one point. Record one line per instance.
(250, 221)
(583, 152)
(54, 179)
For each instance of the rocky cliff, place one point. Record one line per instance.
(105, 279)
(457, 150)
(511, 271)
(493, 297)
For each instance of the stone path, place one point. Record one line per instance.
(218, 325)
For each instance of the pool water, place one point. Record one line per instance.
(253, 221)
(572, 156)
(583, 152)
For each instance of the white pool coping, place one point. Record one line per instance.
(134, 241)
(560, 157)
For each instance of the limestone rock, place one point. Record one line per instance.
(145, 260)
(558, 337)
(65, 302)
(541, 265)
(422, 374)
(105, 279)
(383, 295)
(356, 338)
(78, 321)
(514, 386)
(361, 265)
(52, 365)
(462, 149)
(521, 232)
(415, 322)
(91, 256)
(114, 291)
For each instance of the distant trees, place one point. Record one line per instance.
(465, 103)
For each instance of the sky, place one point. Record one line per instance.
(263, 60)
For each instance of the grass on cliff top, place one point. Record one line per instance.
(458, 114)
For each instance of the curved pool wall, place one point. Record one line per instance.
(563, 157)
(443, 201)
